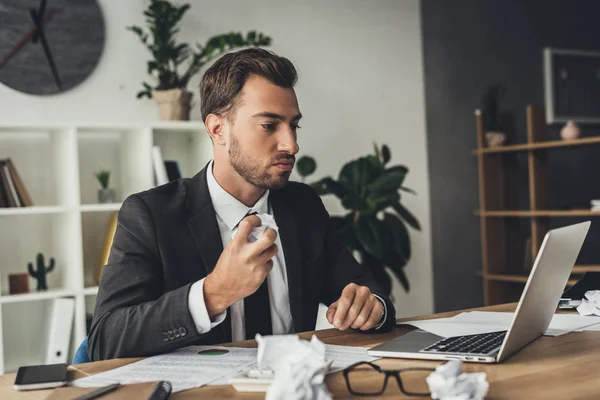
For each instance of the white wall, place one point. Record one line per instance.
(360, 80)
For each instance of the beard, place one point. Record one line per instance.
(255, 173)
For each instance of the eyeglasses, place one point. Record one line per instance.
(367, 379)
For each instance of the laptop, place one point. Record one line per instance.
(533, 314)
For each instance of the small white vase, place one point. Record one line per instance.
(495, 139)
(570, 131)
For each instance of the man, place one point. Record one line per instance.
(183, 269)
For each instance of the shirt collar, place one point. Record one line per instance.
(228, 208)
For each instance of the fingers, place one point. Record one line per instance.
(350, 304)
(268, 254)
(245, 227)
(350, 307)
(331, 312)
(265, 240)
(374, 316)
(364, 312)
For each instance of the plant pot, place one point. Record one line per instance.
(495, 139)
(173, 104)
(106, 196)
(570, 131)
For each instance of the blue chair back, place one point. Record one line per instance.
(81, 356)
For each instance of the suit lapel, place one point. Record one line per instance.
(288, 232)
(204, 228)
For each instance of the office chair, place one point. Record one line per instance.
(81, 356)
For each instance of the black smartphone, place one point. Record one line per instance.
(41, 377)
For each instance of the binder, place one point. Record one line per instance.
(59, 334)
(160, 172)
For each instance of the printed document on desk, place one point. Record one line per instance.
(186, 368)
(475, 322)
(197, 366)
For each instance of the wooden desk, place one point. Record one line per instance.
(564, 367)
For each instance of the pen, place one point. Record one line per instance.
(98, 392)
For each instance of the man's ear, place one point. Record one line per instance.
(215, 126)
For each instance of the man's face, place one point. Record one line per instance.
(262, 138)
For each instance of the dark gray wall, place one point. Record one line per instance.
(468, 46)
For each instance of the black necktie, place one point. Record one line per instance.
(257, 311)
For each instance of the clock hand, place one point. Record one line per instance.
(40, 14)
(42, 36)
(24, 40)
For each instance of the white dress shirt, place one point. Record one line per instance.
(229, 212)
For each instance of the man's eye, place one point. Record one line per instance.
(294, 127)
(268, 127)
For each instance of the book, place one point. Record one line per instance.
(160, 172)
(11, 186)
(10, 201)
(3, 201)
(173, 171)
(20, 186)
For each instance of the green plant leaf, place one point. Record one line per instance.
(306, 165)
(407, 216)
(391, 180)
(352, 201)
(377, 154)
(378, 203)
(378, 271)
(386, 154)
(407, 190)
(400, 236)
(327, 185)
(401, 275)
(368, 232)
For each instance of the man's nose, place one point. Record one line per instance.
(288, 142)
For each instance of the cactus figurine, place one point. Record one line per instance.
(41, 271)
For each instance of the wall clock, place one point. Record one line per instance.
(49, 46)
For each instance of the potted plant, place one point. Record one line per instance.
(173, 64)
(494, 130)
(105, 195)
(375, 225)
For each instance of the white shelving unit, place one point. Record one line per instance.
(57, 164)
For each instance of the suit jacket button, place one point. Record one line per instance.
(165, 336)
(176, 332)
(171, 335)
(182, 331)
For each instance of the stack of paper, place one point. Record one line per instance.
(197, 366)
(474, 322)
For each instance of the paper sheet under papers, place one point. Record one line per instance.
(184, 368)
(475, 322)
(341, 357)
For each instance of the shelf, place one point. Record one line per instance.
(516, 278)
(551, 144)
(89, 291)
(34, 210)
(580, 269)
(538, 213)
(119, 126)
(33, 296)
(100, 207)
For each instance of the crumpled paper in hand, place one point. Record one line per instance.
(448, 382)
(590, 305)
(299, 367)
(267, 220)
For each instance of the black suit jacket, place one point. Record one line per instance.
(167, 238)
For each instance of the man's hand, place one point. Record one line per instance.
(357, 308)
(241, 269)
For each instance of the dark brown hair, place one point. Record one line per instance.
(223, 81)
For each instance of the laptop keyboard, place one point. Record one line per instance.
(483, 343)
